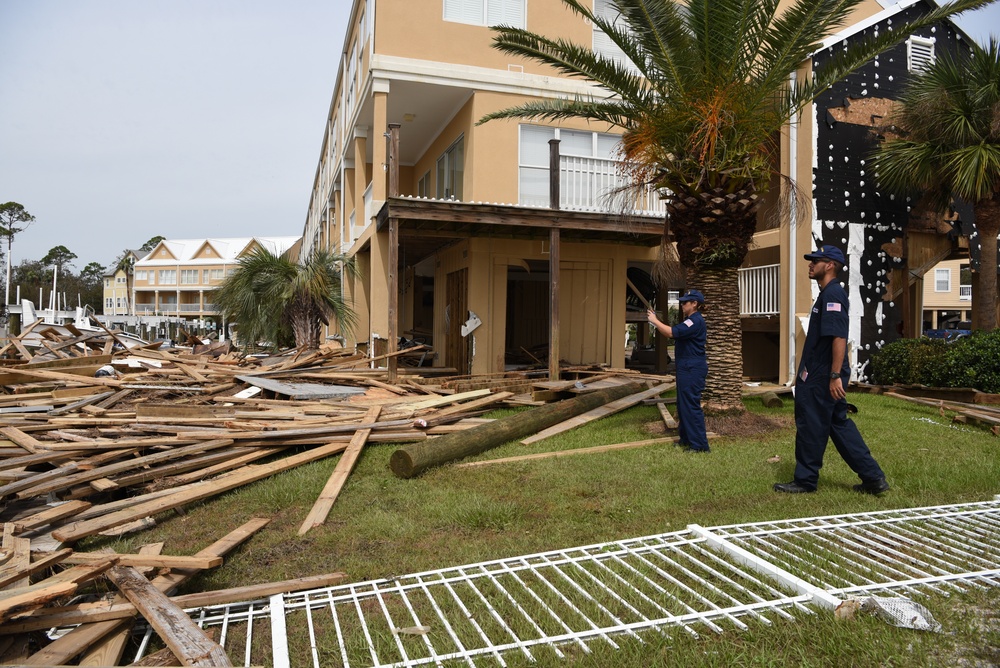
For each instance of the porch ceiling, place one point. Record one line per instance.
(426, 226)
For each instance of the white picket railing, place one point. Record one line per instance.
(594, 183)
(760, 290)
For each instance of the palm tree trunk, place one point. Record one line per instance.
(724, 344)
(984, 304)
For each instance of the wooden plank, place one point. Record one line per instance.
(18, 437)
(597, 413)
(108, 650)
(51, 514)
(196, 492)
(668, 419)
(13, 572)
(188, 642)
(92, 614)
(39, 478)
(141, 560)
(70, 645)
(18, 564)
(338, 478)
(14, 601)
(576, 451)
(67, 481)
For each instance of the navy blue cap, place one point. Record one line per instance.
(827, 253)
(692, 296)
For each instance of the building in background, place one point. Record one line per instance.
(461, 243)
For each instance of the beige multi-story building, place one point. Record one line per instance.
(460, 243)
(118, 285)
(178, 277)
(947, 294)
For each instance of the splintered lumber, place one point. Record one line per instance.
(12, 572)
(93, 629)
(597, 413)
(18, 437)
(414, 459)
(196, 492)
(188, 642)
(13, 601)
(337, 479)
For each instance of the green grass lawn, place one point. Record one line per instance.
(382, 525)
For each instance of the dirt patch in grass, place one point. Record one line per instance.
(745, 424)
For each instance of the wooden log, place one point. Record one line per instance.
(414, 459)
(337, 479)
(188, 642)
(771, 400)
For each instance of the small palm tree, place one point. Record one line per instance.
(949, 149)
(276, 300)
(709, 88)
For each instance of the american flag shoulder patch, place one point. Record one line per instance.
(689, 322)
(833, 306)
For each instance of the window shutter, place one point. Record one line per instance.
(505, 12)
(464, 11)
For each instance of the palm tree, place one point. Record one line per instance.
(708, 90)
(949, 149)
(276, 300)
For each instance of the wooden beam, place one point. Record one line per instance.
(337, 479)
(140, 560)
(578, 451)
(188, 642)
(554, 250)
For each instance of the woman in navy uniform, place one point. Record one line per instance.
(692, 368)
(820, 404)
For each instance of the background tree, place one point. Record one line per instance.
(31, 277)
(949, 149)
(61, 257)
(708, 91)
(278, 302)
(13, 219)
(151, 244)
(92, 285)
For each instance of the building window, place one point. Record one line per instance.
(587, 164)
(919, 53)
(485, 12)
(942, 280)
(450, 167)
(107, 282)
(604, 44)
(168, 277)
(121, 280)
(109, 303)
(140, 275)
(424, 185)
(189, 276)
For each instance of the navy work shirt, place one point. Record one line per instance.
(829, 320)
(689, 338)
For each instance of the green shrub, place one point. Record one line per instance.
(973, 361)
(909, 361)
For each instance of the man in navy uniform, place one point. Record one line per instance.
(820, 403)
(692, 368)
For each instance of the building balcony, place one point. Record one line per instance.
(965, 293)
(586, 184)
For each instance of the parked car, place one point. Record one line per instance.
(952, 331)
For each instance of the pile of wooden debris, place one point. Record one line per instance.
(82, 455)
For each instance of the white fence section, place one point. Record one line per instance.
(695, 580)
(760, 292)
(595, 183)
(965, 292)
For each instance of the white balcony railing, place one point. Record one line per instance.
(965, 292)
(760, 290)
(595, 183)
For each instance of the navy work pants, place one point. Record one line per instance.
(690, 384)
(819, 417)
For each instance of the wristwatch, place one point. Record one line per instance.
(834, 375)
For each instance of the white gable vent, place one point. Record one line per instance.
(919, 53)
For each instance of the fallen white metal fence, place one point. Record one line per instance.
(693, 580)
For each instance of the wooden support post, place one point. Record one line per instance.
(554, 304)
(393, 305)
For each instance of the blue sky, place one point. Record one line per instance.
(121, 120)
